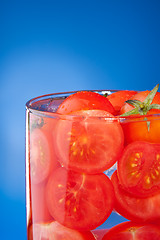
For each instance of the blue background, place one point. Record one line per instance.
(54, 46)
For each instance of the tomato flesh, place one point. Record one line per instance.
(79, 201)
(56, 231)
(85, 100)
(134, 208)
(133, 231)
(139, 169)
(40, 156)
(39, 207)
(91, 143)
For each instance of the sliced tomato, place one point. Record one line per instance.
(118, 98)
(39, 207)
(91, 142)
(134, 208)
(133, 231)
(79, 201)
(42, 157)
(142, 128)
(85, 100)
(56, 231)
(139, 169)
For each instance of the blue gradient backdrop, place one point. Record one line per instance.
(52, 46)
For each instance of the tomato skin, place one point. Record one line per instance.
(90, 143)
(79, 201)
(134, 208)
(131, 230)
(141, 97)
(56, 231)
(85, 100)
(135, 128)
(117, 99)
(139, 169)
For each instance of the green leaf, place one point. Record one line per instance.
(131, 112)
(142, 108)
(148, 100)
(134, 103)
(148, 123)
(154, 106)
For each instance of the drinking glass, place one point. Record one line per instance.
(72, 187)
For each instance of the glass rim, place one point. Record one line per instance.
(49, 114)
(68, 92)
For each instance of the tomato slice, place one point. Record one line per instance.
(85, 100)
(139, 169)
(56, 231)
(91, 142)
(133, 231)
(117, 99)
(79, 201)
(134, 208)
(39, 207)
(42, 158)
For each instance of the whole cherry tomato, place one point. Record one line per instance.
(85, 100)
(118, 98)
(140, 124)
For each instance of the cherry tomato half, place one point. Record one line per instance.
(134, 208)
(56, 231)
(79, 201)
(130, 231)
(39, 207)
(85, 100)
(42, 157)
(117, 99)
(139, 169)
(91, 142)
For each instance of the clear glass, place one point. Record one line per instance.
(69, 191)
